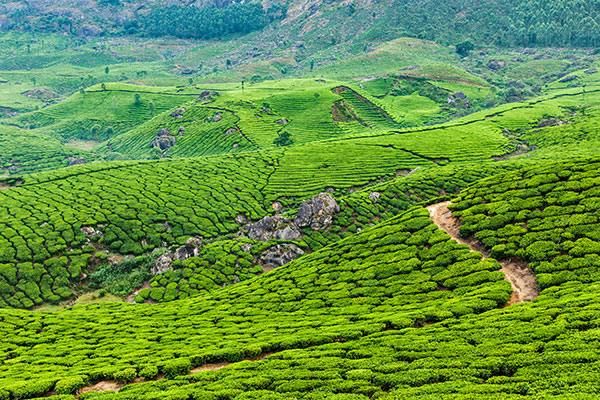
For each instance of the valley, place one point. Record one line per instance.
(364, 200)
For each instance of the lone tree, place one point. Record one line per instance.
(463, 49)
(137, 99)
(106, 70)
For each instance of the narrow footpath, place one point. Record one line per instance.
(521, 277)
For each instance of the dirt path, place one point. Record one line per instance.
(522, 279)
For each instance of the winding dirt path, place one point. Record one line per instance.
(522, 279)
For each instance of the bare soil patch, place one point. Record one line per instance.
(521, 277)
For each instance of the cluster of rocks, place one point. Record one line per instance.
(459, 100)
(91, 232)
(496, 64)
(316, 213)
(76, 161)
(216, 118)
(205, 96)
(164, 140)
(178, 113)
(552, 122)
(191, 248)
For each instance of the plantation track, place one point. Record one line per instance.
(522, 279)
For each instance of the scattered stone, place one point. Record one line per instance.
(240, 219)
(273, 228)
(90, 232)
(277, 206)
(320, 80)
(181, 130)
(591, 71)
(178, 113)
(568, 78)
(217, 117)
(374, 196)
(43, 94)
(162, 264)
(76, 161)
(282, 121)
(258, 116)
(231, 131)
(164, 140)
(267, 111)
(280, 255)
(496, 64)
(191, 248)
(552, 122)
(13, 168)
(459, 100)
(317, 212)
(235, 145)
(166, 226)
(246, 247)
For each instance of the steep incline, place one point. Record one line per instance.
(521, 278)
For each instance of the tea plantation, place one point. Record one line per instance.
(348, 215)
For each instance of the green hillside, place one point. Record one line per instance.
(299, 200)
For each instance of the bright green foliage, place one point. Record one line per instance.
(114, 110)
(547, 216)
(398, 274)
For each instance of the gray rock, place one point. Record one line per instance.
(240, 219)
(496, 64)
(374, 196)
(231, 131)
(317, 212)
(277, 206)
(279, 255)
(178, 113)
(90, 232)
(247, 247)
(282, 121)
(273, 228)
(591, 71)
(76, 161)
(459, 100)
(162, 263)
(164, 140)
(217, 117)
(191, 248)
(568, 78)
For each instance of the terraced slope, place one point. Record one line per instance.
(44, 251)
(25, 152)
(366, 305)
(104, 110)
(398, 274)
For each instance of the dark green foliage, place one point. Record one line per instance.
(206, 22)
(464, 48)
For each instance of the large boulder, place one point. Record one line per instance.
(279, 255)
(317, 212)
(275, 227)
(164, 140)
(459, 100)
(76, 161)
(191, 248)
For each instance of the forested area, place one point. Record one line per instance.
(206, 23)
(504, 22)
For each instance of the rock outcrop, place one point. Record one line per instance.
(191, 248)
(76, 161)
(459, 100)
(164, 140)
(178, 113)
(273, 228)
(317, 212)
(280, 255)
